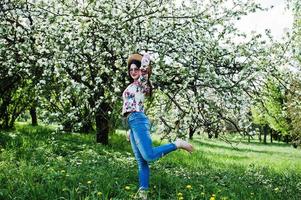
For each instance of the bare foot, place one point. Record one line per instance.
(182, 144)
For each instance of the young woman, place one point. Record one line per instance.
(139, 71)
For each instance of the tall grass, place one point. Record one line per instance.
(39, 163)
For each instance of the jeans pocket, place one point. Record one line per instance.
(138, 120)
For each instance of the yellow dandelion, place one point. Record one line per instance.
(276, 189)
(99, 193)
(189, 187)
(89, 182)
(212, 197)
(181, 198)
(180, 194)
(127, 187)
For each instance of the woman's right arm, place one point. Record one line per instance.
(143, 79)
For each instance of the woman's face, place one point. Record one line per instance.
(135, 72)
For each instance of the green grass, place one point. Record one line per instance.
(39, 163)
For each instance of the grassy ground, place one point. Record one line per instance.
(38, 163)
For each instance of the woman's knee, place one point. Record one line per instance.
(148, 156)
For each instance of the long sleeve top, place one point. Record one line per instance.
(134, 95)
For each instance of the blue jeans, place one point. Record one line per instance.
(142, 146)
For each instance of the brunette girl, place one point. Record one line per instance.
(139, 71)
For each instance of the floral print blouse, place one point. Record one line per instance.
(134, 95)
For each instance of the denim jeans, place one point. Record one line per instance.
(142, 146)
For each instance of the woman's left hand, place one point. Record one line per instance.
(145, 60)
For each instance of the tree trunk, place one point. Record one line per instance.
(102, 124)
(102, 128)
(33, 114)
(210, 135)
(260, 131)
(265, 132)
(191, 132)
(278, 137)
(4, 118)
(272, 132)
(6, 121)
(286, 139)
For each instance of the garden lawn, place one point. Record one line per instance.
(40, 163)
